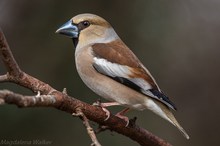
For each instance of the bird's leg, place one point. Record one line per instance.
(104, 105)
(107, 104)
(121, 115)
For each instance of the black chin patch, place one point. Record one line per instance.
(75, 42)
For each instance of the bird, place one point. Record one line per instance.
(111, 70)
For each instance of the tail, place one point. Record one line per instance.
(163, 111)
(177, 125)
(172, 119)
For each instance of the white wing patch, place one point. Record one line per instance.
(124, 75)
(141, 83)
(117, 70)
(111, 69)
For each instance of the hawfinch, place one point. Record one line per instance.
(110, 69)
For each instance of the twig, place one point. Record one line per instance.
(89, 129)
(4, 78)
(62, 101)
(10, 97)
(64, 91)
(7, 57)
(101, 128)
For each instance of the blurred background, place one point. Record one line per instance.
(177, 40)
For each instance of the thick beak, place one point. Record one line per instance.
(69, 29)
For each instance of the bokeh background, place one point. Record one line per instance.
(179, 42)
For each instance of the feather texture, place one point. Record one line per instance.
(135, 78)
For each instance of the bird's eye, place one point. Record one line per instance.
(86, 23)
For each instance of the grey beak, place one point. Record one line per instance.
(69, 29)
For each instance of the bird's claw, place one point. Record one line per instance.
(119, 114)
(107, 112)
(123, 118)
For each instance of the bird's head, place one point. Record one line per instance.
(86, 29)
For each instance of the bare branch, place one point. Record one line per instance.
(94, 113)
(26, 101)
(61, 101)
(89, 129)
(7, 57)
(4, 78)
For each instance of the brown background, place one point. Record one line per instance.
(177, 40)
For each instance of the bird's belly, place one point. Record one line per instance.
(110, 89)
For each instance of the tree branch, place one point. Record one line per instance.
(61, 101)
(7, 57)
(89, 129)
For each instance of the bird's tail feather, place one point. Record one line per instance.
(163, 111)
(176, 124)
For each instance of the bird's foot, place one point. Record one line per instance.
(122, 116)
(98, 103)
(104, 105)
(107, 113)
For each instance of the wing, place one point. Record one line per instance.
(129, 72)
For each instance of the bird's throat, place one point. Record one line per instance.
(75, 42)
